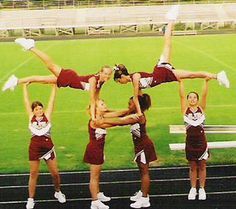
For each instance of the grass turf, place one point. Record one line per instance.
(203, 53)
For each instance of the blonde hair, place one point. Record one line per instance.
(105, 66)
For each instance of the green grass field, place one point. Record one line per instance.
(209, 53)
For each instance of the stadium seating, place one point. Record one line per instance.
(104, 20)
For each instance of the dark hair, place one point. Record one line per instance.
(193, 92)
(144, 102)
(36, 104)
(119, 71)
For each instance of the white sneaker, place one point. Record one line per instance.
(201, 194)
(97, 204)
(30, 203)
(11, 83)
(173, 13)
(60, 197)
(142, 202)
(102, 197)
(136, 196)
(27, 44)
(192, 194)
(222, 79)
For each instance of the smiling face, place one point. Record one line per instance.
(193, 99)
(37, 108)
(105, 74)
(38, 111)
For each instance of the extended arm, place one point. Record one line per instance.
(51, 103)
(119, 121)
(136, 78)
(204, 94)
(112, 114)
(182, 96)
(92, 82)
(27, 100)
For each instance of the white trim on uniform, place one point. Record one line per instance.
(135, 130)
(205, 155)
(48, 155)
(40, 132)
(86, 86)
(145, 82)
(142, 157)
(194, 123)
(100, 132)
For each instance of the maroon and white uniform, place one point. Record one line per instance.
(41, 146)
(73, 80)
(94, 153)
(143, 146)
(162, 73)
(196, 144)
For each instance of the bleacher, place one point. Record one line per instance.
(106, 20)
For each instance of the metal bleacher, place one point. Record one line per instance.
(106, 20)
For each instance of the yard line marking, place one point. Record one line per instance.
(23, 63)
(206, 54)
(153, 108)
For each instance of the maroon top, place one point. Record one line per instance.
(43, 120)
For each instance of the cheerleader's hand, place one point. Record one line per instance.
(132, 116)
(98, 122)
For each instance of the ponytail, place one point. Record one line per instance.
(119, 71)
(144, 102)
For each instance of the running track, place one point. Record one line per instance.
(169, 189)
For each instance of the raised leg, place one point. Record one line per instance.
(55, 69)
(38, 79)
(166, 53)
(183, 74)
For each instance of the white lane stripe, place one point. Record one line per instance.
(153, 108)
(208, 193)
(120, 170)
(121, 197)
(22, 64)
(119, 182)
(15, 69)
(55, 112)
(206, 55)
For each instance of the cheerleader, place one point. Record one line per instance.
(144, 148)
(41, 146)
(62, 77)
(163, 71)
(196, 143)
